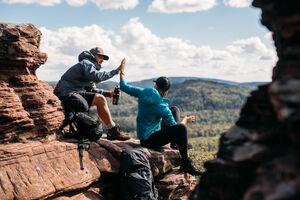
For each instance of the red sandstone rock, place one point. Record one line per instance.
(19, 48)
(28, 106)
(36, 170)
(277, 179)
(175, 185)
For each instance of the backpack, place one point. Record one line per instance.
(137, 182)
(81, 126)
(87, 127)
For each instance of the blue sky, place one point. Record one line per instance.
(206, 38)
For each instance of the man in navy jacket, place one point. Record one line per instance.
(81, 79)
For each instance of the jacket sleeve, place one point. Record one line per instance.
(131, 90)
(96, 76)
(105, 93)
(164, 111)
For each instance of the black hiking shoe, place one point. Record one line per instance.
(115, 134)
(188, 167)
(175, 146)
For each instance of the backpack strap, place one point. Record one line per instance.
(83, 144)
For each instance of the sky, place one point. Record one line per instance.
(221, 39)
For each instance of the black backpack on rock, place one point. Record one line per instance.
(81, 125)
(137, 181)
(87, 127)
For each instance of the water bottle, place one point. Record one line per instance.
(116, 95)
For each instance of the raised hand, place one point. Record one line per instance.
(121, 68)
(123, 63)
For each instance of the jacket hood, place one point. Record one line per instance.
(89, 56)
(151, 96)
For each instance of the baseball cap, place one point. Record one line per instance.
(162, 83)
(99, 51)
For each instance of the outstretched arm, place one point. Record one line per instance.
(133, 91)
(94, 75)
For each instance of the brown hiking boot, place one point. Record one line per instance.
(115, 134)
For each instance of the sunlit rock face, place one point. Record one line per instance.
(258, 157)
(42, 170)
(28, 107)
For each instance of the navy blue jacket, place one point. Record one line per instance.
(82, 75)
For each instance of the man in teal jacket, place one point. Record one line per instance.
(152, 110)
(80, 80)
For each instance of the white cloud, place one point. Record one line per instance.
(76, 3)
(102, 4)
(149, 55)
(175, 6)
(237, 3)
(63, 47)
(41, 2)
(253, 47)
(269, 37)
(115, 4)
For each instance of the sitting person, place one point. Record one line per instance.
(151, 111)
(80, 80)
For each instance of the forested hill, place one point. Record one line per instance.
(205, 95)
(200, 95)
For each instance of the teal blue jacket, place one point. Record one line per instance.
(152, 109)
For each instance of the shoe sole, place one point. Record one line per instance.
(121, 139)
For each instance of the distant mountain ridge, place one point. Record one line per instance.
(149, 82)
(173, 80)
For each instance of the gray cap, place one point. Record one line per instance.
(99, 51)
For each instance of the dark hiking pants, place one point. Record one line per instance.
(170, 134)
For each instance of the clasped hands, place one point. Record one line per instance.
(120, 70)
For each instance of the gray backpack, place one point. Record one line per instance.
(137, 182)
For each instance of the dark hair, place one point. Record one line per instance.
(162, 83)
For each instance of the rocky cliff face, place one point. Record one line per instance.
(32, 167)
(258, 158)
(51, 170)
(28, 107)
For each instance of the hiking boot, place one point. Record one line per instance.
(115, 134)
(188, 167)
(175, 146)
